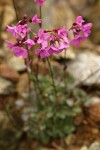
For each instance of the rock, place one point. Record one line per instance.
(9, 15)
(4, 35)
(60, 15)
(45, 148)
(84, 148)
(3, 119)
(19, 103)
(94, 112)
(84, 65)
(3, 2)
(8, 73)
(73, 148)
(95, 146)
(70, 102)
(1, 53)
(6, 86)
(57, 146)
(70, 54)
(75, 4)
(95, 100)
(22, 85)
(95, 131)
(17, 63)
(70, 139)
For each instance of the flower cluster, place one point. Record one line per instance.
(50, 41)
(81, 31)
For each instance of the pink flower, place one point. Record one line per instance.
(30, 43)
(52, 43)
(19, 30)
(42, 52)
(79, 20)
(81, 31)
(10, 45)
(11, 30)
(22, 30)
(59, 41)
(42, 38)
(20, 51)
(35, 19)
(40, 2)
(77, 39)
(87, 29)
(49, 41)
(62, 34)
(57, 47)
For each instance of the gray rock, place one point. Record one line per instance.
(84, 148)
(5, 86)
(9, 15)
(70, 139)
(43, 148)
(95, 146)
(17, 63)
(22, 86)
(60, 15)
(95, 100)
(85, 64)
(1, 53)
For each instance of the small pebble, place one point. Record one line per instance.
(95, 131)
(95, 146)
(84, 148)
(70, 139)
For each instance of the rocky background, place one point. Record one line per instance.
(82, 62)
(56, 13)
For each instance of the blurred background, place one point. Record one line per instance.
(83, 62)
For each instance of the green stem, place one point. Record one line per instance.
(52, 77)
(64, 69)
(37, 67)
(28, 73)
(36, 84)
(37, 71)
(14, 4)
(40, 10)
